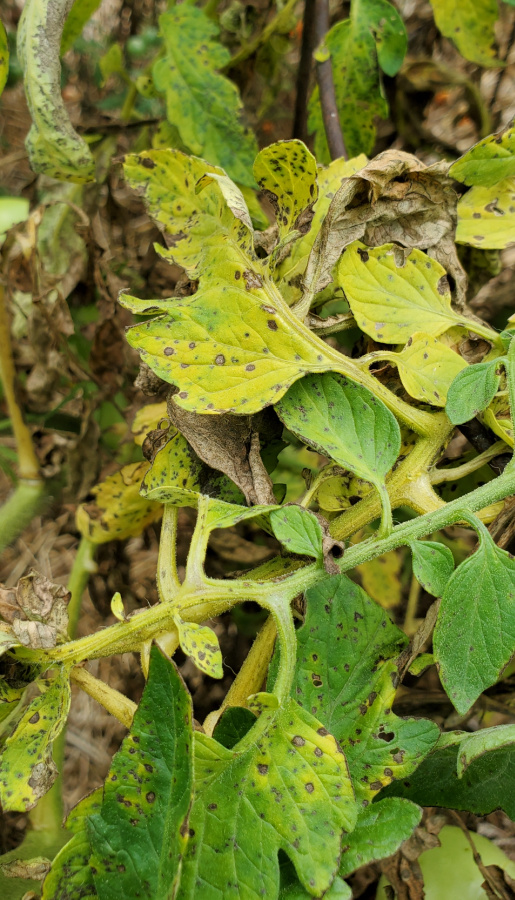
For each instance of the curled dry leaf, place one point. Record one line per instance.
(37, 610)
(395, 198)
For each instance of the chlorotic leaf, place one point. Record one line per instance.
(79, 14)
(147, 419)
(118, 511)
(140, 833)
(201, 103)
(347, 676)
(487, 773)
(489, 161)
(288, 789)
(433, 565)
(427, 368)
(486, 216)
(474, 636)
(470, 25)
(174, 476)
(4, 57)
(231, 194)
(381, 579)
(497, 417)
(298, 529)
(472, 390)
(201, 644)
(287, 173)
(373, 37)
(391, 301)
(380, 830)
(346, 422)
(27, 770)
(53, 145)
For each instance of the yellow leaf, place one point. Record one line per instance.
(381, 579)
(427, 368)
(201, 644)
(486, 216)
(147, 419)
(118, 511)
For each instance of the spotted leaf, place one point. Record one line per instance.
(470, 25)
(201, 644)
(118, 511)
(486, 216)
(427, 368)
(347, 676)
(489, 161)
(140, 832)
(287, 173)
(299, 530)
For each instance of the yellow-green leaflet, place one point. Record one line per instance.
(4, 57)
(489, 161)
(470, 25)
(391, 300)
(486, 216)
(201, 644)
(427, 368)
(118, 510)
(287, 172)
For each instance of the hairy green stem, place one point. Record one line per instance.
(83, 566)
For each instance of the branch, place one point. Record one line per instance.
(300, 122)
(324, 72)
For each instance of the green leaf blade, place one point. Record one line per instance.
(489, 161)
(433, 565)
(380, 830)
(139, 834)
(470, 25)
(299, 530)
(472, 391)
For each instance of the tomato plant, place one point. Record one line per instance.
(343, 327)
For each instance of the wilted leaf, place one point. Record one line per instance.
(393, 298)
(427, 368)
(474, 637)
(433, 565)
(489, 161)
(345, 422)
(202, 104)
(287, 173)
(347, 676)
(374, 36)
(475, 772)
(470, 25)
(53, 145)
(44, 843)
(472, 391)
(4, 57)
(34, 869)
(380, 830)
(497, 417)
(397, 199)
(299, 530)
(139, 835)
(486, 216)
(27, 770)
(118, 511)
(288, 790)
(201, 644)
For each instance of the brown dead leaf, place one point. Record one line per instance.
(229, 444)
(35, 869)
(37, 610)
(403, 869)
(395, 198)
(35, 634)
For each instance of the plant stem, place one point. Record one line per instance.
(83, 566)
(324, 70)
(438, 476)
(19, 510)
(300, 122)
(411, 607)
(168, 584)
(112, 700)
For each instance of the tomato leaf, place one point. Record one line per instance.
(71, 876)
(390, 300)
(347, 676)
(470, 25)
(287, 173)
(233, 725)
(488, 162)
(288, 789)
(27, 769)
(474, 636)
(79, 14)
(486, 216)
(472, 390)
(380, 830)
(118, 510)
(299, 530)
(139, 834)
(427, 368)
(201, 644)
(433, 565)
(201, 103)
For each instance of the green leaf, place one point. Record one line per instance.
(118, 510)
(347, 676)
(287, 788)
(474, 636)
(291, 888)
(233, 725)
(54, 147)
(12, 211)
(470, 25)
(472, 390)
(139, 835)
(487, 780)
(380, 830)
(427, 368)
(489, 161)
(201, 644)
(27, 770)
(374, 36)
(486, 216)
(345, 422)
(290, 271)
(4, 57)
(433, 565)
(287, 173)
(201, 103)
(71, 876)
(80, 13)
(392, 300)
(299, 530)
